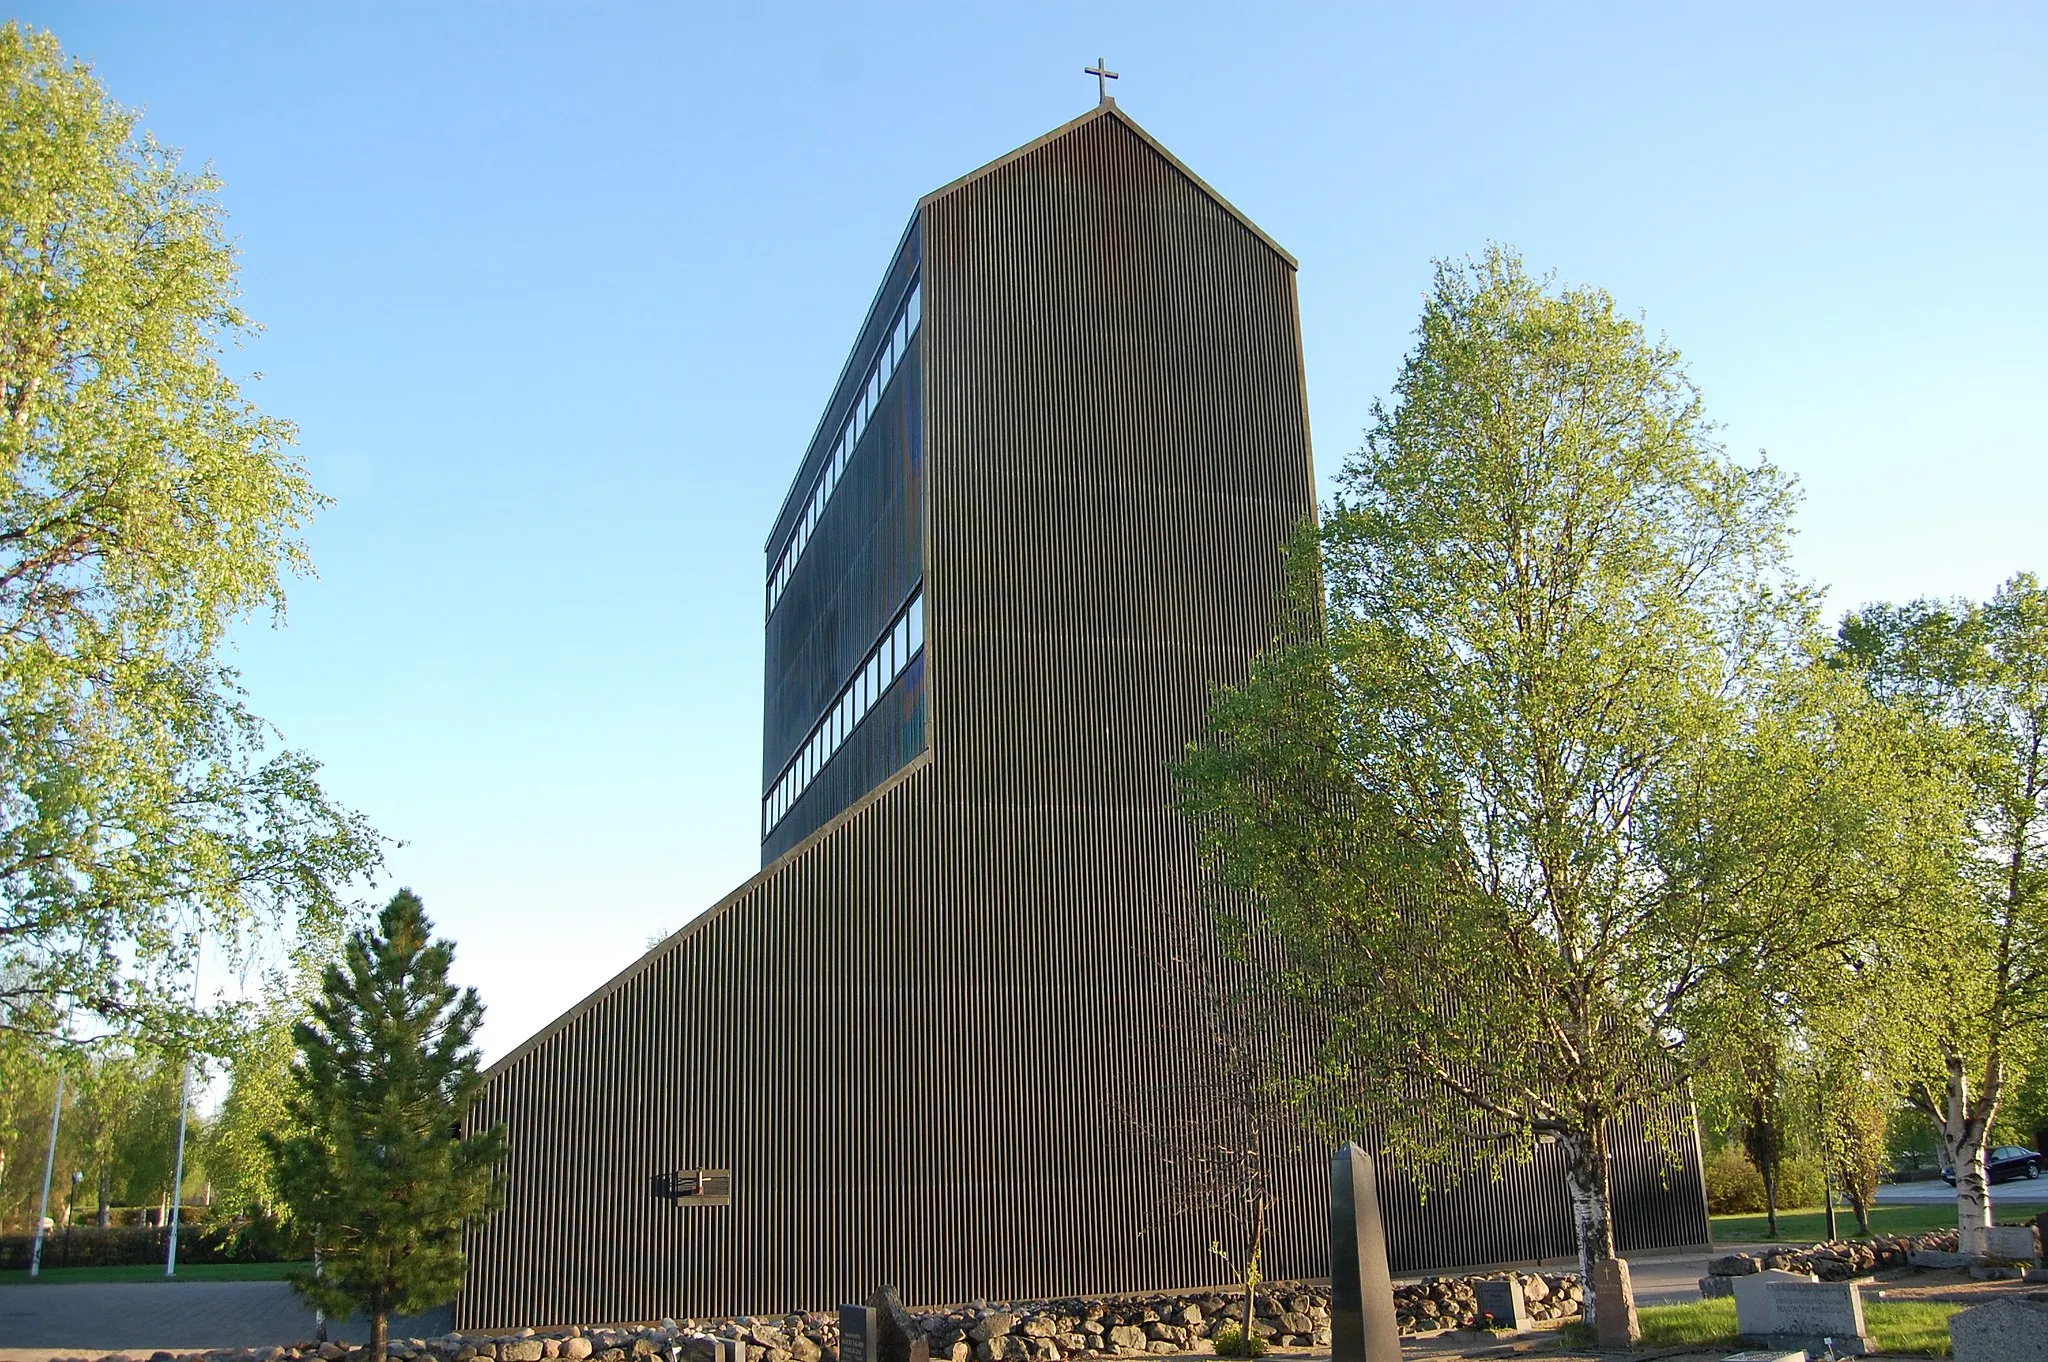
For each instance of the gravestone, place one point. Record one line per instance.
(1501, 1297)
(1614, 1305)
(1362, 1326)
(897, 1337)
(1753, 1317)
(1792, 1310)
(857, 1328)
(2012, 1244)
(2003, 1331)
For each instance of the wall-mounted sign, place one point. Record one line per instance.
(696, 1186)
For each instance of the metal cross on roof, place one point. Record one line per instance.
(1103, 76)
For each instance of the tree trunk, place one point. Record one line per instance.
(106, 1190)
(1764, 1143)
(1585, 1155)
(1251, 1273)
(1965, 1132)
(380, 1324)
(1862, 1209)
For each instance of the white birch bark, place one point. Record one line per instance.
(1965, 1133)
(1592, 1212)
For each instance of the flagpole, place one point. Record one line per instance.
(184, 1105)
(35, 1257)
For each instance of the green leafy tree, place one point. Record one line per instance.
(1851, 1090)
(1981, 972)
(111, 1084)
(1473, 792)
(1739, 1057)
(384, 1083)
(28, 1083)
(257, 1107)
(1837, 811)
(237, 1152)
(146, 505)
(145, 1143)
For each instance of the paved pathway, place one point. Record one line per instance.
(177, 1316)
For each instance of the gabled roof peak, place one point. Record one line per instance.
(1108, 109)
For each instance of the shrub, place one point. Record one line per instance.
(1799, 1184)
(1734, 1187)
(1232, 1341)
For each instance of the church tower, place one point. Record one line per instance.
(1041, 518)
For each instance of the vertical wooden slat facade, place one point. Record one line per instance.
(916, 1037)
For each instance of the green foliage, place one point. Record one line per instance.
(201, 1240)
(257, 1107)
(1542, 767)
(1974, 971)
(145, 506)
(379, 1165)
(1911, 1140)
(1799, 1183)
(1232, 1341)
(102, 1127)
(237, 1159)
(1734, 1187)
(28, 1085)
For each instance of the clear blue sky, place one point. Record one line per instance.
(555, 295)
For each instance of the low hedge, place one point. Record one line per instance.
(127, 1245)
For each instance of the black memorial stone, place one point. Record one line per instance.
(897, 1337)
(1502, 1299)
(1362, 1324)
(857, 1329)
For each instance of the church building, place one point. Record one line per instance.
(1041, 518)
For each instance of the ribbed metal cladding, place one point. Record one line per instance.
(916, 1037)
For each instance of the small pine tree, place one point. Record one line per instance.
(384, 1078)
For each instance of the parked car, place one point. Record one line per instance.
(2005, 1162)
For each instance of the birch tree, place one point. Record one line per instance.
(1982, 970)
(1470, 790)
(146, 506)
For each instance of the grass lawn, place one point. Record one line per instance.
(1807, 1227)
(154, 1272)
(1897, 1326)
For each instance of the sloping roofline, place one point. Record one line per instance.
(1108, 109)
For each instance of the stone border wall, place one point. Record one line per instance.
(1289, 1315)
